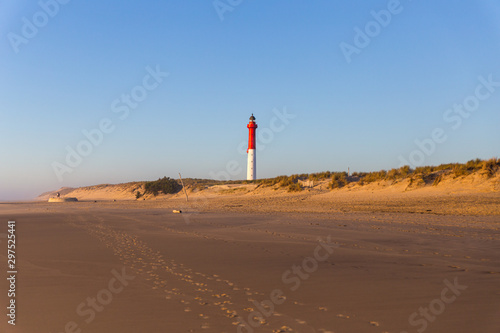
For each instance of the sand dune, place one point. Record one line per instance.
(471, 195)
(249, 258)
(98, 192)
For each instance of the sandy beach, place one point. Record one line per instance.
(233, 166)
(225, 266)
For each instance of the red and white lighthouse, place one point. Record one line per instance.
(252, 158)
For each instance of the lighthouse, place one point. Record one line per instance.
(252, 158)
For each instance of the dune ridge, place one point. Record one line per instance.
(474, 194)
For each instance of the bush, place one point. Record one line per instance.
(284, 181)
(288, 181)
(474, 164)
(163, 185)
(490, 166)
(294, 187)
(423, 174)
(138, 195)
(281, 180)
(375, 176)
(460, 170)
(404, 170)
(320, 175)
(337, 184)
(437, 180)
(417, 180)
(339, 180)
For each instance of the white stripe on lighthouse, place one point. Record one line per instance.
(252, 165)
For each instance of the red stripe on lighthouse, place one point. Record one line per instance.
(251, 135)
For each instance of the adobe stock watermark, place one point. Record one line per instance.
(223, 6)
(265, 136)
(122, 107)
(30, 27)
(363, 37)
(453, 116)
(292, 277)
(89, 308)
(426, 315)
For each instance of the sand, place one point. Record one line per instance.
(474, 194)
(322, 263)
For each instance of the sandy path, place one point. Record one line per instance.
(208, 274)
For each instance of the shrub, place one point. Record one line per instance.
(287, 181)
(339, 180)
(424, 170)
(417, 179)
(393, 174)
(490, 166)
(460, 170)
(320, 175)
(138, 195)
(337, 184)
(437, 180)
(294, 187)
(474, 164)
(375, 176)
(164, 185)
(404, 170)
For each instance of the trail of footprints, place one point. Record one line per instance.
(213, 297)
(301, 238)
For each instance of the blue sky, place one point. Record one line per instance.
(264, 58)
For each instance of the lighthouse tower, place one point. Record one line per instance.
(252, 158)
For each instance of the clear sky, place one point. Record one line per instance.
(355, 85)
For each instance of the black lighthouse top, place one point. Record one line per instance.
(252, 118)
